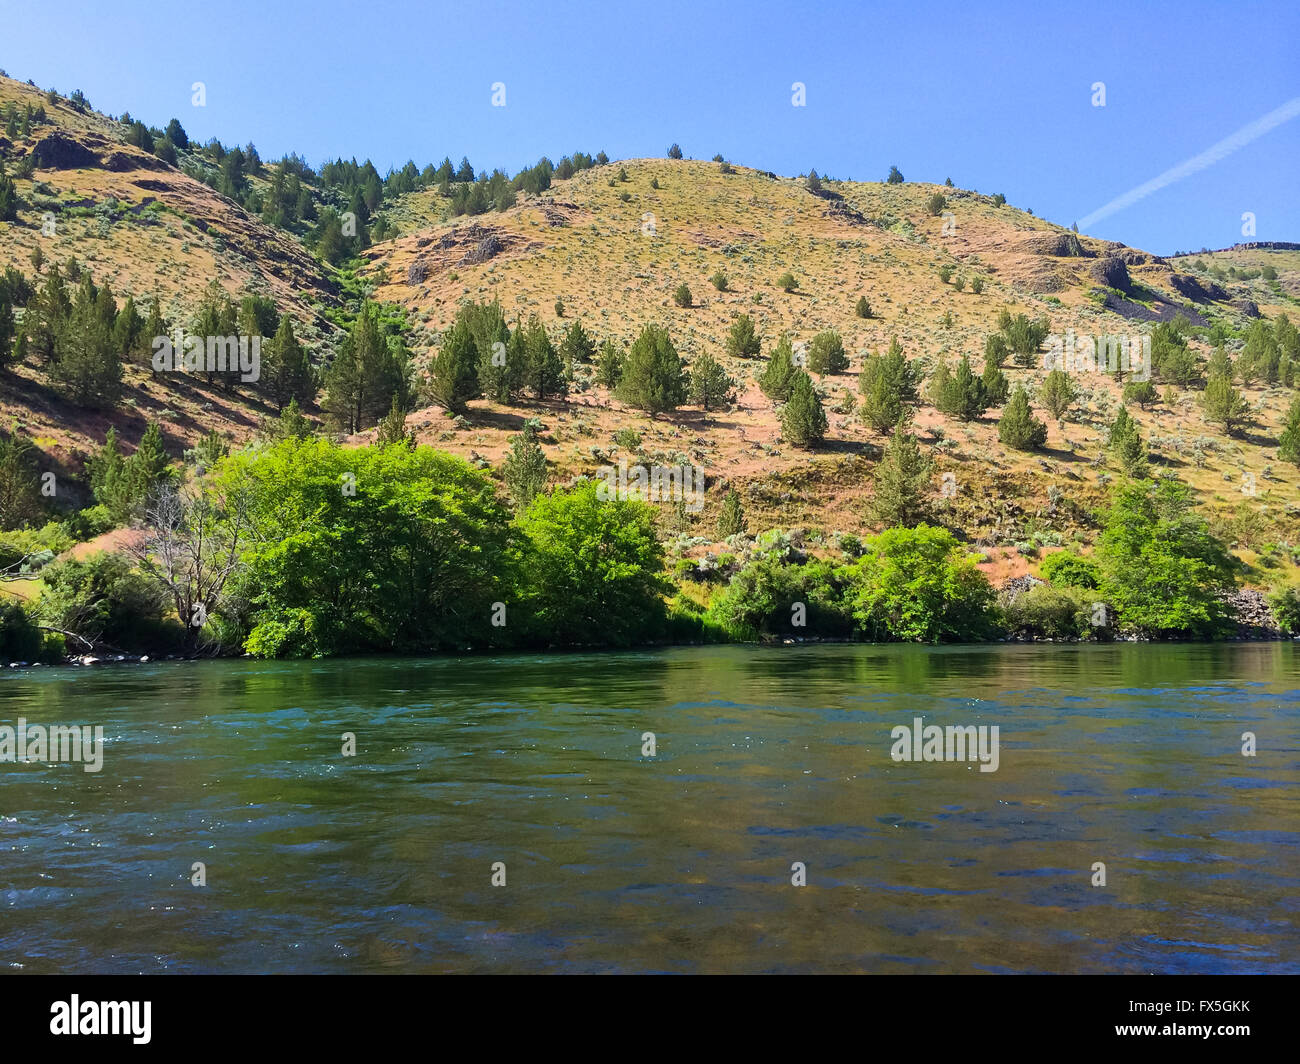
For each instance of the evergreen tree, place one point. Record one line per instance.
(653, 378)
(732, 519)
(888, 383)
(710, 386)
(1289, 442)
(742, 340)
(826, 353)
(609, 367)
(7, 329)
(148, 467)
(1224, 405)
(543, 370)
(803, 422)
(127, 329)
(995, 384)
(1126, 446)
(778, 378)
(47, 316)
(1018, 428)
(366, 372)
(899, 481)
(576, 347)
(108, 478)
(454, 376)
(524, 469)
(961, 394)
(286, 368)
(392, 428)
(863, 308)
(20, 492)
(1059, 393)
(86, 363)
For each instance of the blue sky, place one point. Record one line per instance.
(997, 96)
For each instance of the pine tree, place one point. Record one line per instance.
(20, 493)
(995, 384)
(826, 353)
(1126, 446)
(392, 428)
(543, 370)
(803, 422)
(286, 368)
(524, 469)
(86, 362)
(454, 375)
(863, 308)
(148, 467)
(732, 519)
(742, 340)
(1224, 405)
(888, 383)
(365, 374)
(899, 481)
(7, 329)
(1018, 428)
(576, 347)
(1289, 442)
(609, 367)
(778, 378)
(1059, 393)
(710, 385)
(962, 394)
(653, 378)
(108, 478)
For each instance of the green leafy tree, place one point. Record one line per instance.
(1162, 569)
(653, 374)
(594, 567)
(919, 585)
(1018, 428)
(803, 421)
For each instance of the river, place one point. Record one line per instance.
(618, 861)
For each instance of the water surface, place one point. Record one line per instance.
(618, 862)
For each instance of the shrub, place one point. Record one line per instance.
(682, 295)
(826, 353)
(863, 308)
(1048, 612)
(936, 203)
(786, 282)
(719, 281)
(1067, 569)
(1284, 601)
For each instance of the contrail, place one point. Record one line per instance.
(1196, 163)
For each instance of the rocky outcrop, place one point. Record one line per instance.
(1112, 271)
(1254, 618)
(1196, 290)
